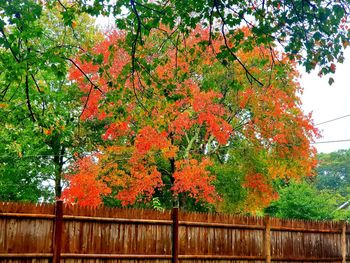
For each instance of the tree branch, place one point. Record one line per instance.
(248, 74)
(87, 100)
(28, 99)
(9, 45)
(85, 75)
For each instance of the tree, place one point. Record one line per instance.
(39, 125)
(161, 140)
(333, 171)
(318, 197)
(303, 201)
(311, 32)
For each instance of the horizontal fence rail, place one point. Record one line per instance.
(64, 234)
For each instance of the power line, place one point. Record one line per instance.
(31, 156)
(345, 140)
(335, 119)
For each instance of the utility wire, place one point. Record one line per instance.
(335, 119)
(33, 156)
(345, 140)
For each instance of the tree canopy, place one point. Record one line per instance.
(192, 102)
(163, 135)
(312, 31)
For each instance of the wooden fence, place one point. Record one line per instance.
(73, 234)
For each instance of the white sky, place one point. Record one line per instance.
(329, 102)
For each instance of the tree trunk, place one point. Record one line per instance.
(58, 161)
(172, 180)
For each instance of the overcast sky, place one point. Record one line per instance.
(329, 102)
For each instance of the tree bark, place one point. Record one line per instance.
(58, 161)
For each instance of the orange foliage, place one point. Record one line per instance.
(193, 178)
(173, 118)
(85, 186)
(260, 192)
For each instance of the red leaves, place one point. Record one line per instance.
(85, 187)
(141, 184)
(99, 82)
(193, 178)
(149, 139)
(332, 68)
(181, 124)
(260, 191)
(211, 114)
(116, 130)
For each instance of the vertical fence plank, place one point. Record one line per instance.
(57, 238)
(175, 235)
(267, 239)
(343, 242)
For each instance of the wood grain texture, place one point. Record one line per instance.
(104, 235)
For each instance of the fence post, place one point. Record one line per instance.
(175, 235)
(343, 242)
(57, 238)
(267, 239)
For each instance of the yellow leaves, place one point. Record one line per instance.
(17, 148)
(170, 152)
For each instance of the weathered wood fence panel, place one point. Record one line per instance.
(73, 234)
(116, 231)
(298, 239)
(220, 235)
(26, 229)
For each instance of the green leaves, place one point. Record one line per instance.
(295, 24)
(303, 201)
(35, 46)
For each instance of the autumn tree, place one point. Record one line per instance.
(311, 32)
(164, 135)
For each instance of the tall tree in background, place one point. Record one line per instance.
(333, 171)
(322, 197)
(164, 135)
(312, 32)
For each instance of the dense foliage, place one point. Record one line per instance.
(325, 196)
(161, 140)
(183, 102)
(39, 108)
